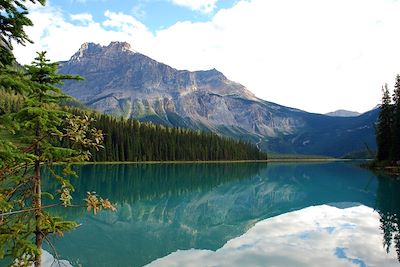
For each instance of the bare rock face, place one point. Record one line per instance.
(124, 82)
(121, 81)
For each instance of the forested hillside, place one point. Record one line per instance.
(124, 82)
(131, 140)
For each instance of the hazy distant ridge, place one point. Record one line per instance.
(343, 113)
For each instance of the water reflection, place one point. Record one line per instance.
(170, 207)
(132, 182)
(314, 236)
(388, 206)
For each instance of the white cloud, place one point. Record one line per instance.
(122, 22)
(53, 33)
(314, 236)
(84, 18)
(316, 55)
(205, 6)
(310, 54)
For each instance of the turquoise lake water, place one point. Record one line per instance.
(235, 214)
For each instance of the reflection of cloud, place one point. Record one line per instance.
(314, 236)
(49, 261)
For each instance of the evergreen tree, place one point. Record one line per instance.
(13, 19)
(29, 123)
(384, 126)
(396, 120)
(33, 130)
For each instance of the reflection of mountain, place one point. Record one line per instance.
(388, 205)
(147, 181)
(198, 206)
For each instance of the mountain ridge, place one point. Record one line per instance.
(123, 82)
(343, 113)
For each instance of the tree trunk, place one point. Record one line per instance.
(37, 204)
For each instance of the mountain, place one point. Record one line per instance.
(121, 81)
(343, 113)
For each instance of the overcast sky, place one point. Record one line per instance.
(316, 55)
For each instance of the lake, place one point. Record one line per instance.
(235, 214)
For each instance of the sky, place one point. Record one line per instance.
(315, 55)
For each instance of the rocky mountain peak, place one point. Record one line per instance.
(85, 50)
(119, 47)
(92, 49)
(123, 82)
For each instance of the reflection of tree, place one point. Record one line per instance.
(388, 206)
(166, 207)
(155, 212)
(127, 183)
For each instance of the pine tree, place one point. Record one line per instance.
(36, 130)
(396, 121)
(13, 19)
(384, 126)
(34, 122)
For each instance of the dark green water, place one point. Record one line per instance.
(163, 208)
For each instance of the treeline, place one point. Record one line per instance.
(131, 140)
(388, 126)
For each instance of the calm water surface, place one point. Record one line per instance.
(242, 214)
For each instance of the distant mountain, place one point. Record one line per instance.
(123, 82)
(343, 113)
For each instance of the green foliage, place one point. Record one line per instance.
(10, 102)
(395, 152)
(30, 118)
(130, 140)
(388, 127)
(383, 130)
(33, 120)
(13, 19)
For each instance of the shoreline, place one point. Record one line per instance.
(383, 167)
(273, 160)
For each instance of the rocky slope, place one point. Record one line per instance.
(120, 81)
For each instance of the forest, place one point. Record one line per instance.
(388, 126)
(131, 140)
